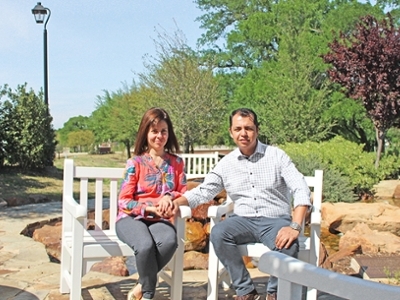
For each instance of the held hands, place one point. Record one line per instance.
(285, 237)
(165, 207)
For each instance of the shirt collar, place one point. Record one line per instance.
(259, 151)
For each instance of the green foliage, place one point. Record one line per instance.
(190, 93)
(81, 140)
(73, 124)
(392, 275)
(393, 137)
(349, 160)
(337, 187)
(28, 139)
(118, 115)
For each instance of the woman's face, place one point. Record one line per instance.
(157, 136)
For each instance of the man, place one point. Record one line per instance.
(261, 181)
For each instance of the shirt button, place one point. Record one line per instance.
(251, 173)
(252, 186)
(255, 198)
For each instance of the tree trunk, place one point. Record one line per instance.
(128, 149)
(186, 145)
(380, 138)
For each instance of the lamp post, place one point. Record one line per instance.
(40, 13)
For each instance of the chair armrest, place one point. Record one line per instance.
(218, 211)
(185, 212)
(76, 210)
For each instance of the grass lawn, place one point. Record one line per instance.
(15, 184)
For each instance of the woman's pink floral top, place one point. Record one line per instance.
(144, 184)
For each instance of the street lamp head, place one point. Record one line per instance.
(40, 12)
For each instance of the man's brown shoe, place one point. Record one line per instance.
(271, 296)
(253, 295)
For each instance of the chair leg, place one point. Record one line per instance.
(213, 266)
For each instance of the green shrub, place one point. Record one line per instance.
(336, 188)
(348, 160)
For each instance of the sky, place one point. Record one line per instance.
(93, 46)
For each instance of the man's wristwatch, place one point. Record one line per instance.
(295, 226)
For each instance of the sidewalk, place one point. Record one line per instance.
(26, 272)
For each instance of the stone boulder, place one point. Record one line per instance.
(343, 217)
(50, 236)
(200, 213)
(196, 237)
(396, 194)
(194, 260)
(112, 265)
(370, 241)
(36, 198)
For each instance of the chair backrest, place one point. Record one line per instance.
(97, 181)
(199, 165)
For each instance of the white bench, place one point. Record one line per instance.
(309, 245)
(198, 165)
(293, 274)
(81, 248)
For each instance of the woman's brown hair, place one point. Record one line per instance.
(153, 116)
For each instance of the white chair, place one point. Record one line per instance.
(309, 245)
(81, 248)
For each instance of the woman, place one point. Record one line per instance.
(154, 176)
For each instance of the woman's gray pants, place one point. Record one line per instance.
(154, 244)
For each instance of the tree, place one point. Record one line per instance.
(28, 136)
(270, 51)
(366, 63)
(81, 140)
(189, 92)
(118, 115)
(73, 124)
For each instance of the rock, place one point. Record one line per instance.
(112, 265)
(396, 194)
(345, 251)
(248, 262)
(50, 236)
(385, 189)
(196, 238)
(106, 220)
(38, 198)
(3, 203)
(370, 241)
(194, 260)
(200, 213)
(31, 228)
(323, 257)
(17, 201)
(343, 217)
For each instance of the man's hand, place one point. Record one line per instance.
(165, 207)
(285, 237)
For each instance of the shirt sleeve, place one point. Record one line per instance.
(126, 201)
(207, 190)
(295, 182)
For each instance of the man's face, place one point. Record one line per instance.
(244, 133)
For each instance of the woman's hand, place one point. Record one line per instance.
(165, 207)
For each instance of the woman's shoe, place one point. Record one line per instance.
(131, 294)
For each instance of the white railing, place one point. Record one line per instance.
(293, 274)
(197, 165)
